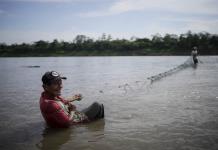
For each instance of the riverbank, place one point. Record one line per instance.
(83, 53)
(82, 45)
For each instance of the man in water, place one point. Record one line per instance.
(194, 55)
(59, 112)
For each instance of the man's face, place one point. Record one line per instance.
(54, 88)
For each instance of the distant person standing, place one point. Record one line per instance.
(194, 55)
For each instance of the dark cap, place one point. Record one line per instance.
(51, 76)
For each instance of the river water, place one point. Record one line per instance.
(178, 111)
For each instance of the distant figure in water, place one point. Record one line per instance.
(194, 55)
(59, 112)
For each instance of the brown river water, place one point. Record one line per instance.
(178, 110)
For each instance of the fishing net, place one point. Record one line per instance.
(138, 85)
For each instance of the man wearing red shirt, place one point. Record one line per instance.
(59, 112)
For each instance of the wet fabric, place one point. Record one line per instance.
(195, 60)
(95, 111)
(57, 113)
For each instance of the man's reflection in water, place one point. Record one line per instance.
(55, 138)
(194, 66)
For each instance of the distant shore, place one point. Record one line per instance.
(80, 54)
(170, 44)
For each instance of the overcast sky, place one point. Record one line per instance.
(33, 20)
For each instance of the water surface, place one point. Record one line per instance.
(176, 112)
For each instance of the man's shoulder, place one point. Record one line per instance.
(49, 105)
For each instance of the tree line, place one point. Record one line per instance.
(169, 44)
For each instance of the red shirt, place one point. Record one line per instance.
(57, 112)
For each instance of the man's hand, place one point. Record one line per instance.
(76, 97)
(71, 107)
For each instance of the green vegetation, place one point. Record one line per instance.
(82, 45)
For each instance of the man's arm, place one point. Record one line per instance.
(76, 97)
